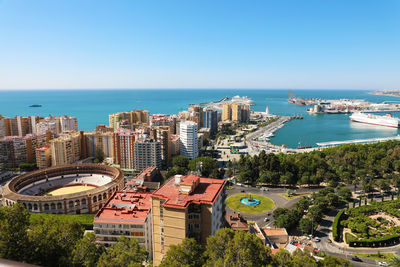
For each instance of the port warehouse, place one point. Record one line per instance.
(25, 189)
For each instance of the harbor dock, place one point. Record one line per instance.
(358, 141)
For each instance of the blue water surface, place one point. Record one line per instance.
(92, 107)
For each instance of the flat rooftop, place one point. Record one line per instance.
(276, 231)
(204, 190)
(125, 208)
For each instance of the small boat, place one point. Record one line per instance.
(35, 106)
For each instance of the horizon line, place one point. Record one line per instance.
(193, 88)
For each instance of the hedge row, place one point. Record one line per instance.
(377, 242)
(86, 220)
(336, 225)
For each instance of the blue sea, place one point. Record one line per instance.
(92, 107)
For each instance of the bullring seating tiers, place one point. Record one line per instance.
(43, 186)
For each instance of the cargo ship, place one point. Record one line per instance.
(387, 120)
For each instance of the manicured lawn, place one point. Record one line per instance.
(234, 203)
(293, 195)
(375, 256)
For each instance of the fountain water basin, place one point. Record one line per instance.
(249, 201)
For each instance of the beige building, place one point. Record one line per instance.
(66, 149)
(236, 112)
(43, 157)
(186, 206)
(130, 117)
(226, 112)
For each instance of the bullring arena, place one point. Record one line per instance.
(70, 189)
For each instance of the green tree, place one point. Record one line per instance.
(303, 258)
(207, 166)
(14, 223)
(126, 252)
(180, 161)
(304, 203)
(186, 254)
(236, 248)
(315, 214)
(86, 251)
(176, 170)
(344, 193)
(99, 157)
(217, 245)
(53, 240)
(246, 249)
(306, 225)
(283, 258)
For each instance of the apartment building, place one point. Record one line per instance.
(128, 214)
(43, 157)
(147, 152)
(130, 117)
(17, 126)
(226, 112)
(124, 146)
(57, 125)
(12, 151)
(236, 112)
(66, 149)
(188, 139)
(34, 141)
(175, 145)
(163, 135)
(186, 206)
(210, 120)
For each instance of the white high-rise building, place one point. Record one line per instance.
(188, 139)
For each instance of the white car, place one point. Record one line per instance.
(382, 263)
(316, 239)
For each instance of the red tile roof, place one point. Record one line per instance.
(125, 208)
(206, 191)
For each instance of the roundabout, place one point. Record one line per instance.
(249, 203)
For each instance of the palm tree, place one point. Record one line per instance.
(394, 261)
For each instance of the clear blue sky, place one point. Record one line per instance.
(200, 44)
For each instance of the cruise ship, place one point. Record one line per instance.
(387, 120)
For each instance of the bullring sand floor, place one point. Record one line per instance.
(70, 190)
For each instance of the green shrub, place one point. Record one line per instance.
(336, 225)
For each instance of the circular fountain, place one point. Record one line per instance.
(250, 201)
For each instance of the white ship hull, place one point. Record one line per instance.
(386, 121)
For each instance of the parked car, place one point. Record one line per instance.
(266, 219)
(382, 263)
(355, 258)
(316, 239)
